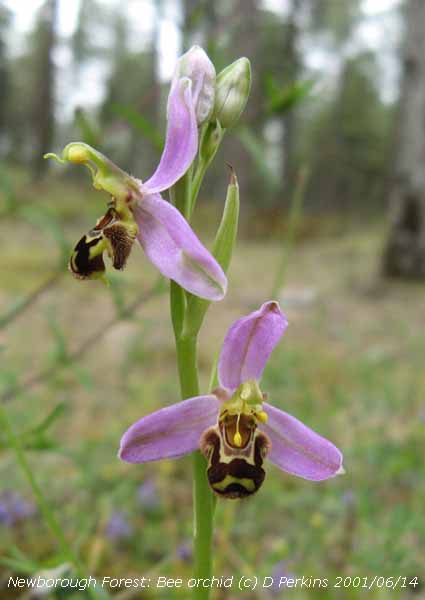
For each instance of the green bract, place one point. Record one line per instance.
(222, 251)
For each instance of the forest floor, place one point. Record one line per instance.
(350, 366)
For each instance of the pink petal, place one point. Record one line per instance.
(174, 249)
(299, 450)
(181, 144)
(170, 432)
(248, 345)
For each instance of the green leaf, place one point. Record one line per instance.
(48, 421)
(19, 562)
(35, 438)
(225, 239)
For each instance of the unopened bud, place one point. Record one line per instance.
(196, 65)
(232, 91)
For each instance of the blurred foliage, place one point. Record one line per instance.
(354, 124)
(282, 99)
(292, 105)
(337, 18)
(5, 18)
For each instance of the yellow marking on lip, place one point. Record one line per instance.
(221, 486)
(237, 439)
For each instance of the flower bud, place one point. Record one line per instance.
(232, 91)
(196, 65)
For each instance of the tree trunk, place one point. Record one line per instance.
(291, 71)
(43, 115)
(4, 79)
(151, 104)
(404, 254)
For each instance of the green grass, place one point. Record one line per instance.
(350, 366)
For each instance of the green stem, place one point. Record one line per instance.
(187, 365)
(50, 519)
(187, 361)
(197, 182)
(181, 194)
(210, 140)
(202, 495)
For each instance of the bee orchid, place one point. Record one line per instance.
(234, 427)
(137, 210)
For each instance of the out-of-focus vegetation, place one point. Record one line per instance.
(79, 362)
(335, 114)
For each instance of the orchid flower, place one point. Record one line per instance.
(137, 210)
(233, 426)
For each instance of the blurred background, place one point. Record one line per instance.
(330, 158)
